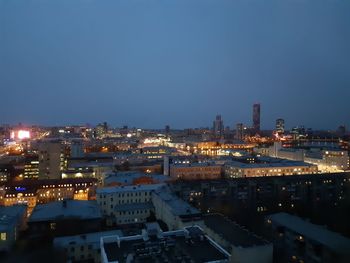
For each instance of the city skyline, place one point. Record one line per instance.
(126, 67)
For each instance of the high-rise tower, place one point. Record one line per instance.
(280, 126)
(218, 126)
(256, 117)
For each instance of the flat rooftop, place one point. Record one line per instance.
(332, 240)
(268, 165)
(177, 205)
(133, 206)
(130, 176)
(9, 215)
(69, 209)
(202, 164)
(90, 238)
(232, 232)
(128, 188)
(177, 246)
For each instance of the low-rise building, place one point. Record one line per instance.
(175, 212)
(302, 241)
(195, 171)
(12, 221)
(83, 247)
(110, 198)
(134, 213)
(236, 169)
(244, 246)
(329, 160)
(33, 192)
(65, 217)
(190, 244)
(133, 178)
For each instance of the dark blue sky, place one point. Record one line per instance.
(148, 63)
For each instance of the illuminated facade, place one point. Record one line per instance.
(238, 169)
(31, 168)
(214, 148)
(195, 171)
(280, 126)
(33, 192)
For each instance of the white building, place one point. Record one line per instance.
(175, 212)
(126, 204)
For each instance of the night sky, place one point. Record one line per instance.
(148, 63)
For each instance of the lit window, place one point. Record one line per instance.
(3, 237)
(53, 226)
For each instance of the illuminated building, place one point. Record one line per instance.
(31, 167)
(195, 171)
(298, 132)
(256, 118)
(280, 126)
(218, 126)
(235, 169)
(110, 198)
(52, 160)
(101, 130)
(214, 148)
(20, 134)
(133, 178)
(33, 192)
(19, 196)
(330, 160)
(4, 173)
(327, 160)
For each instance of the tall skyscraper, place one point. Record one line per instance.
(239, 131)
(256, 117)
(218, 126)
(280, 126)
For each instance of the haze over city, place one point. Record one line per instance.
(174, 131)
(151, 63)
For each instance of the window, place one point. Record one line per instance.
(3, 236)
(52, 226)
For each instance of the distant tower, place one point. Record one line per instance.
(167, 129)
(256, 117)
(239, 131)
(218, 126)
(280, 126)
